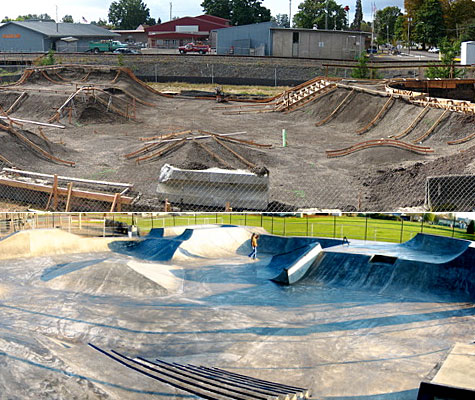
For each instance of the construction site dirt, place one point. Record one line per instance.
(112, 122)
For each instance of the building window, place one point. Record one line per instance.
(295, 37)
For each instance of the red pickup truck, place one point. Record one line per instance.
(194, 48)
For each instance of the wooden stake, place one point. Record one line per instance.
(68, 199)
(55, 192)
(114, 202)
(248, 163)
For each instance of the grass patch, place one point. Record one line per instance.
(228, 89)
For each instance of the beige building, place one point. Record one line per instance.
(319, 43)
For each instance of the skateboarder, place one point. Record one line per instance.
(254, 238)
(345, 241)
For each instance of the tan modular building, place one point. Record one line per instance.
(319, 43)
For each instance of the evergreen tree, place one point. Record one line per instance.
(356, 24)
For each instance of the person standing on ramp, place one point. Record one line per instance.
(254, 238)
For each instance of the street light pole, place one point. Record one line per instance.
(409, 20)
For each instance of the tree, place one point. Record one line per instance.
(40, 17)
(385, 23)
(411, 7)
(448, 51)
(429, 23)
(468, 32)
(218, 8)
(102, 23)
(245, 12)
(282, 20)
(240, 12)
(68, 19)
(362, 70)
(128, 14)
(321, 14)
(400, 28)
(366, 27)
(459, 15)
(471, 227)
(356, 24)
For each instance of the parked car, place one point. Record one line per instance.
(433, 50)
(372, 50)
(194, 48)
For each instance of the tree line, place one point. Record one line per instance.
(427, 22)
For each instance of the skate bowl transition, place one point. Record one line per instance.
(396, 320)
(424, 263)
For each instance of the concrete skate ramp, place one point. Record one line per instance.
(203, 242)
(295, 264)
(423, 248)
(426, 265)
(43, 242)
(291, 257)
(107, 277)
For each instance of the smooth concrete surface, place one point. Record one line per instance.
(342, 341)
(422, 248)
(42, 242)
(459, 368)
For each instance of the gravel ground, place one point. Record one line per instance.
(377, 179)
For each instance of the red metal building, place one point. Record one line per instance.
(180, 31)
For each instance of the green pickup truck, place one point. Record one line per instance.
(105, 45)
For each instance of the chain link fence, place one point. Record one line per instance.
(368, 227)
(220, 190)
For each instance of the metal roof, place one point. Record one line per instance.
(61, 29)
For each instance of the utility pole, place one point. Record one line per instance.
(290, 13)
(171, 6)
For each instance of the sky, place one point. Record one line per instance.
(92, 10)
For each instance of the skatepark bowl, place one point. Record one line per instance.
(368, 320)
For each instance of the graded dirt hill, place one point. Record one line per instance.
(112, 114)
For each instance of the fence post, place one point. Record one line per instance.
(151, 217)
(402, 229)
(284, 226)
(261, 220)
(245, 219)
(422, 225)
(272, 225)
(453, 227)
(366, 228)
(216, 215)
(334, 226)
(307, 225)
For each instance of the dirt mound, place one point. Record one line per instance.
(410, 181)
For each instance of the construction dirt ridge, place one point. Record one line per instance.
(102, 123)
